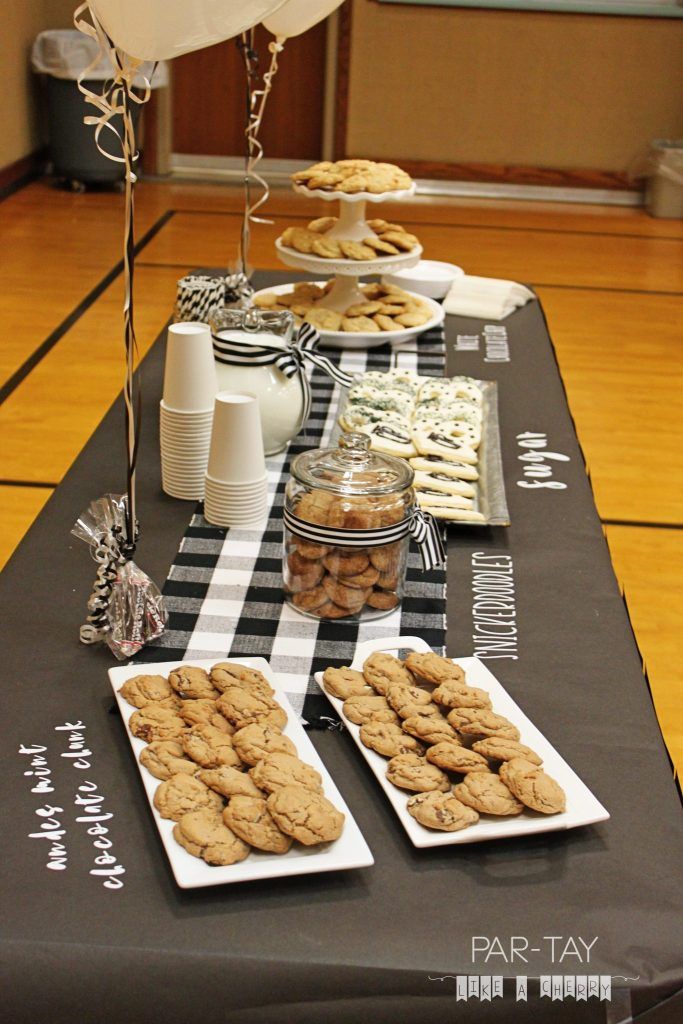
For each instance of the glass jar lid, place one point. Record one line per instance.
(352, 468)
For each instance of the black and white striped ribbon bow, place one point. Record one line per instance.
(290, 360)
(421, 526)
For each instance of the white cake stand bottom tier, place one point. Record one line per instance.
(351, 340)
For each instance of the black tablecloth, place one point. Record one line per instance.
(370, 944)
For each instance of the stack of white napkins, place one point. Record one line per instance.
(485, 297)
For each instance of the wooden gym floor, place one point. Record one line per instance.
(610, 279)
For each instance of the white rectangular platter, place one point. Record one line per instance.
(349, 851)
(582, 807)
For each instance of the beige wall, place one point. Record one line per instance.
(511, 87)
(22, 20)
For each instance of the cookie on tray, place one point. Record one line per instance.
(482, 722)
(345, 682)
(411, 771)
(156, 723)
(189, 681)
(164, 758)
(433, 668)
(242, 707)
(277, 770)
(429, 729)
(182, 793)
(382, 670)
(487, 794)
(210, 747)
(453, 757)
(203, 833)
(305, 815)
(452, 694)
(401, 697)
(228, 781)
(203, 711)
(497, 748)
(389, 740)
(249, 818)
(371, 707)
(256, 741)
(142, 690)
(230, 673)
(441, 811)
(533, 787)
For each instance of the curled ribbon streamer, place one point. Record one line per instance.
(290, 360)
(256, 105)
(116, 98)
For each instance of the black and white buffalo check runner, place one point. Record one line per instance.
(224, 589)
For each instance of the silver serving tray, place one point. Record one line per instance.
(490, 487)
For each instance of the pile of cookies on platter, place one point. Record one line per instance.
(336, 582)
(385, 307)
(229, 777)
(443, 741)
(349, 177)
(386, 239)
(434, 423)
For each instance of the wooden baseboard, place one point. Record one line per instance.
(515, 175)
(19, 173)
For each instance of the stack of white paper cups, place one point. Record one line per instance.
(236, 485)
(186, 410)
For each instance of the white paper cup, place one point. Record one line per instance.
(236, 455)
(190, 381)
(184, 417)
(223, 517)
(220, 487)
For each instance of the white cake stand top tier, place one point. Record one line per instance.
(354, 197)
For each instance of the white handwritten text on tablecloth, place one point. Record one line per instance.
(87, 799)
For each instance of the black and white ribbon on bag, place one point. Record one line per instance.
(421, 526)
(290, 360)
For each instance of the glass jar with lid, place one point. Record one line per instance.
(346, 515)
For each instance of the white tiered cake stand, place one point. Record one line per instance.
(352, 226)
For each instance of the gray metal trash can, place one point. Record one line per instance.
(664, 190)
(61, 55)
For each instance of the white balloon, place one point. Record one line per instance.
(161, 29)
(297, 16)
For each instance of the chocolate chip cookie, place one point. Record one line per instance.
(182, 793)
(476, 722)
(369, 708)
(256, 741)
(441, 811)
(188, 681)
(402, 697)
(204, 834)
(305, 815)
(534, 787)
(430, 729)
(345, 682)
(383, 670)
(497, 748)
(242, 707)
(433, 668)
(156, 723)
(488, 794)
(228, 673)
(388, 739)
(453, 694)
(455, 758)
(249, 818)
(142, 690)
(278, 770)
(203, 711)
(410, 771)
(209, 747)
(228, 781)
(165, 758)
